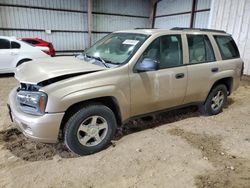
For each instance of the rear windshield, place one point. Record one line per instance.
(227, 46)
(26, 43)
(34, 42)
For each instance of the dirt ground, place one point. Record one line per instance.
(176, 149)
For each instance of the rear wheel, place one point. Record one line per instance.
(90, 129)
(216, 100)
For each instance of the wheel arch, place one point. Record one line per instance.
(22, 60)
(109, 101)
(227, 81)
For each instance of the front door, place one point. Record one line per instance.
(164, 88)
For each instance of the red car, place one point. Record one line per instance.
(40, 42)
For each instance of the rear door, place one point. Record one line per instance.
(202, 67)
(163, 88)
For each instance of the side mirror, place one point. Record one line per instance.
(147, 65)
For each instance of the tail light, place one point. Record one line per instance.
(51, 49)
(45, 51)
(51, 45)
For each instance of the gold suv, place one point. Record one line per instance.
(124, 75)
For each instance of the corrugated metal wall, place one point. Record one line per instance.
(177, 13)
(67, 19)
(201, 18)
(234, 17)
(113, 15)
(167, 13)
(60, 16)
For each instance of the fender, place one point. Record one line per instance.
(223, 75)
(63, 103)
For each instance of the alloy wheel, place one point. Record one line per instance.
(92, 131)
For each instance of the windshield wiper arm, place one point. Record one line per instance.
(99, 59)
(103, 61)
(114, 63)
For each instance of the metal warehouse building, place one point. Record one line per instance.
(68, 24)
(125, 93)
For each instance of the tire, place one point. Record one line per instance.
(215, 101)
(90, 129)
(22, 61)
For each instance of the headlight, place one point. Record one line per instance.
(32, 102)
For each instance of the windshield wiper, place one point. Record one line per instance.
(99, 59)
(114, 63)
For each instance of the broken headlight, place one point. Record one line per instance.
(32, 102)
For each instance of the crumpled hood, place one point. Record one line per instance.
(40, 70)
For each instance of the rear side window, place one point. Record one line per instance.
(227, 46)
(4, 44)
(200, 49)
(15, 45)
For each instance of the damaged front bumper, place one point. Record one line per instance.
(43, 128)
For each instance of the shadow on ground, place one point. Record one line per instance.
(29, 150)
(230, 102)
(153, 121)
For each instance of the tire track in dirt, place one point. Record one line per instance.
(29, 150)
(231, 171)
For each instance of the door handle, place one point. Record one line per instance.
(179, 75)
(216, 69)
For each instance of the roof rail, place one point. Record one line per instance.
(197, 29)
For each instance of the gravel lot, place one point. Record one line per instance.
(176, 149)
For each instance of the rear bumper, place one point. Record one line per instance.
(41, 128)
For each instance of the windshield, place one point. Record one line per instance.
(116, 48)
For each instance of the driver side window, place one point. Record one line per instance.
(153, 50)
(167, 50)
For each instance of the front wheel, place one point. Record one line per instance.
(90, 129)
(216, 100)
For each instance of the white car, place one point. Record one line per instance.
(14, 52)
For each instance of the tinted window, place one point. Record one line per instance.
(4, 44)
(15, 45)
(167, 50)
(227, 46)
(200, 49)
